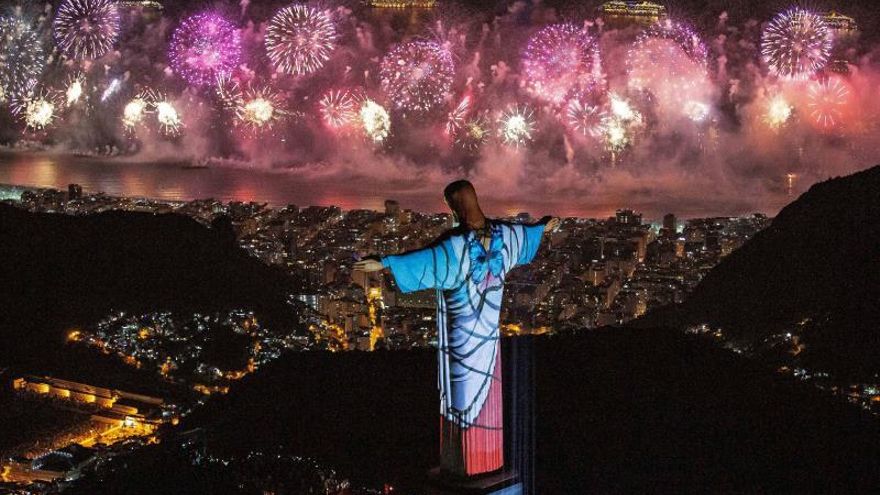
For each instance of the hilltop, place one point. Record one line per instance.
(815, 272)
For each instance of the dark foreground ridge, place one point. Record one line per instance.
(614, 411)
(814, 272)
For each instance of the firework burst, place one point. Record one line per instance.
(38, 110)
(669, 61)
(168, 118)
(796, 44)
(228, 91)
(680, 34)
(86, 29)
(779, 111)
(558, 60)
(472, 134)
(111, 89)
(622, 109)
(21, 57)
(616, 134)
(134, 111)
(827, 102)
(516, 125)
(620, 124)
(74, 89)
(375, 121)
(339, 108)
(40, 113)
(300, 39)
(204, 47)
(258, 109)
(417, 75)
(697, 111)
(456, 118)
(584, 118)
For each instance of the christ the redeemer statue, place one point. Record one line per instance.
(467, 267)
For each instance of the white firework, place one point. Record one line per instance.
(375, 120)
(517, 125)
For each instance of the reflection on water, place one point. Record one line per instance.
(175, 182)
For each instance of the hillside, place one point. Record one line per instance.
(617, 411)
(59, 270)
(815, 272)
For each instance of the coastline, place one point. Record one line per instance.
(228, 180)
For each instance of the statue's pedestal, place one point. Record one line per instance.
(500, 483)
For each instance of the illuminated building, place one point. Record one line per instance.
(839, 24)
(119, 404)
(669, 226)
(392, 208)
(402, 4)
(149, 10)
(629, 12)
(62, 463)
(62, 389)
(679, 248)
(628, 217)
(310, 300)
(844, 32)
(144, 4)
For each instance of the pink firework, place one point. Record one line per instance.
(669, 61)
(558, 60)
(86, 29)
(827, 103)
(339, 107)
(584, 117)
(228, 91)
(204, 47)
(679, 34)
(300, 39)
(417, 75)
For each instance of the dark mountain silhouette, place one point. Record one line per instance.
(616, 411)
(815, 272)
(58, 271)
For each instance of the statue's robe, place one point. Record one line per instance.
(469, 280)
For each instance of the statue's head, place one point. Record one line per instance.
(462, 199)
